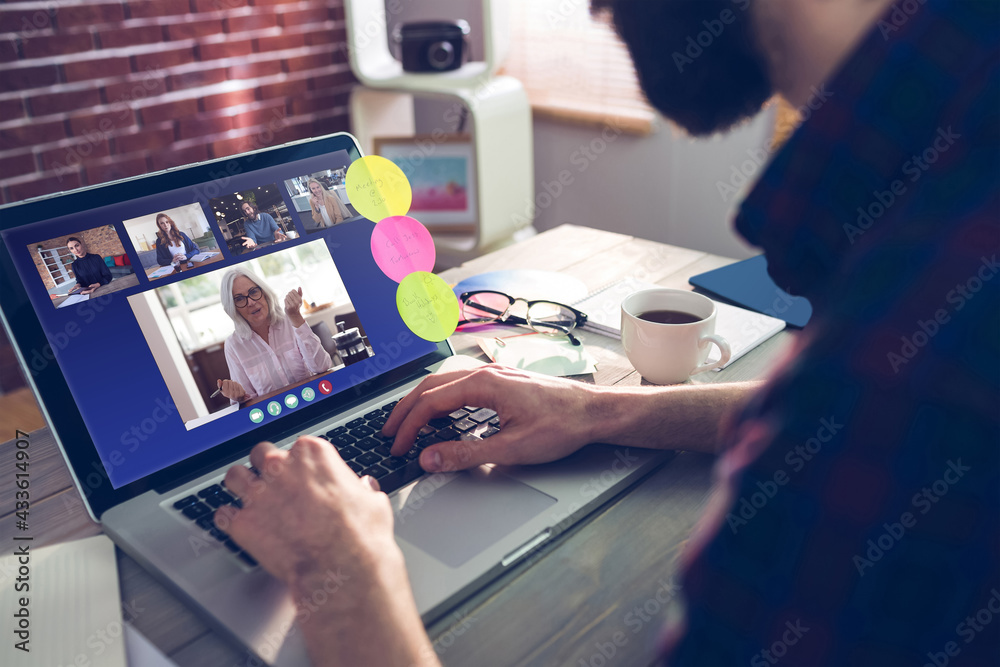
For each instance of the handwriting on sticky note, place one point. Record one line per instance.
(427, 305)
(378, 188)
(401, 245)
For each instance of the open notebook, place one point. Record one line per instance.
(743, 329)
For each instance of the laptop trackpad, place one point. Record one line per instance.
(475, 509)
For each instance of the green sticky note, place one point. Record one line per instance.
(427, 305)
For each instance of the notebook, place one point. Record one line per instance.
(743, 329)
(748, 284)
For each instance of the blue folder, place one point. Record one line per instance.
(747, 284)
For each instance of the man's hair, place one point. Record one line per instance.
(275, 312)
(679, 67)
(73, 238)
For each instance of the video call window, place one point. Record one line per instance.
(196, 343)
(253, 219)
(83, 265)
(173, 241)
(320, 199)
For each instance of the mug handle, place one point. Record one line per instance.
(723, 348)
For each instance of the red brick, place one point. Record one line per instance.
(218, 5)
(116, 168)
(263, 116)
(303, 16)
(43, 186)
(161, 59)
(192, 29)
(334, 80)
(140, 87)
(189, 128)
(280, 42)
(323, 37)
(148, 139)
(56, 45)
(89, 14)
(11, 109)
(100, 68)
(255, 70)
(268, 3)
(228, 99)
(8, 50)
(301, 106)
(71, 154)
(49, 103)
(156, 113)
(22, 78)
(311, 61)
(105, 121)
(175, 158)
(140, 9)
(256, 21)
(281, 89)
(17, 165)
(31, 132)
(232, 49)
(25, 21)
(114, 38)
(196, 78)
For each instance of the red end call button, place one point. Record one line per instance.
(325, 387)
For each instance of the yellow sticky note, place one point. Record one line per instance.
(427, 305)
(378, 188)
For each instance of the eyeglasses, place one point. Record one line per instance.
(547, 317)
(254, 295)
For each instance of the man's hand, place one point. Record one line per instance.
(314, 525)
(542, 418)
(232, 390)
(279, 237)
(293, 307)
(249, 242)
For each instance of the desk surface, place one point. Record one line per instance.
(610, 575)
(123, 282)
(184, 269)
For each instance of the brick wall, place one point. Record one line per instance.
(101, 241)
(95, 90)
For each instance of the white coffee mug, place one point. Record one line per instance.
(670, 353)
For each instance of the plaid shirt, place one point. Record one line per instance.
(855, 520)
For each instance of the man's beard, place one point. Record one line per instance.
(697, 60)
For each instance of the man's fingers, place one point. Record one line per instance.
(267, 459)
(371, 483)
(463, 454)
(469, 389)
(238, 480)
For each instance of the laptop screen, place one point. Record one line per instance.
(185, 317)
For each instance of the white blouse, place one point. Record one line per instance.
(290, 355)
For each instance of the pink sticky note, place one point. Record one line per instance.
(402, 245)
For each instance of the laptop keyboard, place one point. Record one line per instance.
(365, 450)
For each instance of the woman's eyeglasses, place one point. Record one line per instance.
(547, 317)
(254, 295)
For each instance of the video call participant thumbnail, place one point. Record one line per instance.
(172, 245)
(272, 347)
(327, 209)
(259, 227)
(90, 270)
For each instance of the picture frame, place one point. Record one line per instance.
(442, 173)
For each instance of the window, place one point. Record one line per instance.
(573, 65)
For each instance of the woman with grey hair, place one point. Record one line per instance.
(272, 346)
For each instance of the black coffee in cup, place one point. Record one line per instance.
(669, 317)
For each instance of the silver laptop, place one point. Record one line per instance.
(124, 341)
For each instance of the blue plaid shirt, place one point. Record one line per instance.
(857, 516)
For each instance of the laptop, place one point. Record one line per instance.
(124, 342)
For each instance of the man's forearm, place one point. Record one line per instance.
(679, 417)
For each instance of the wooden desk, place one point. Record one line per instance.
(610, 575)
(124, 282)
(184, 269)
